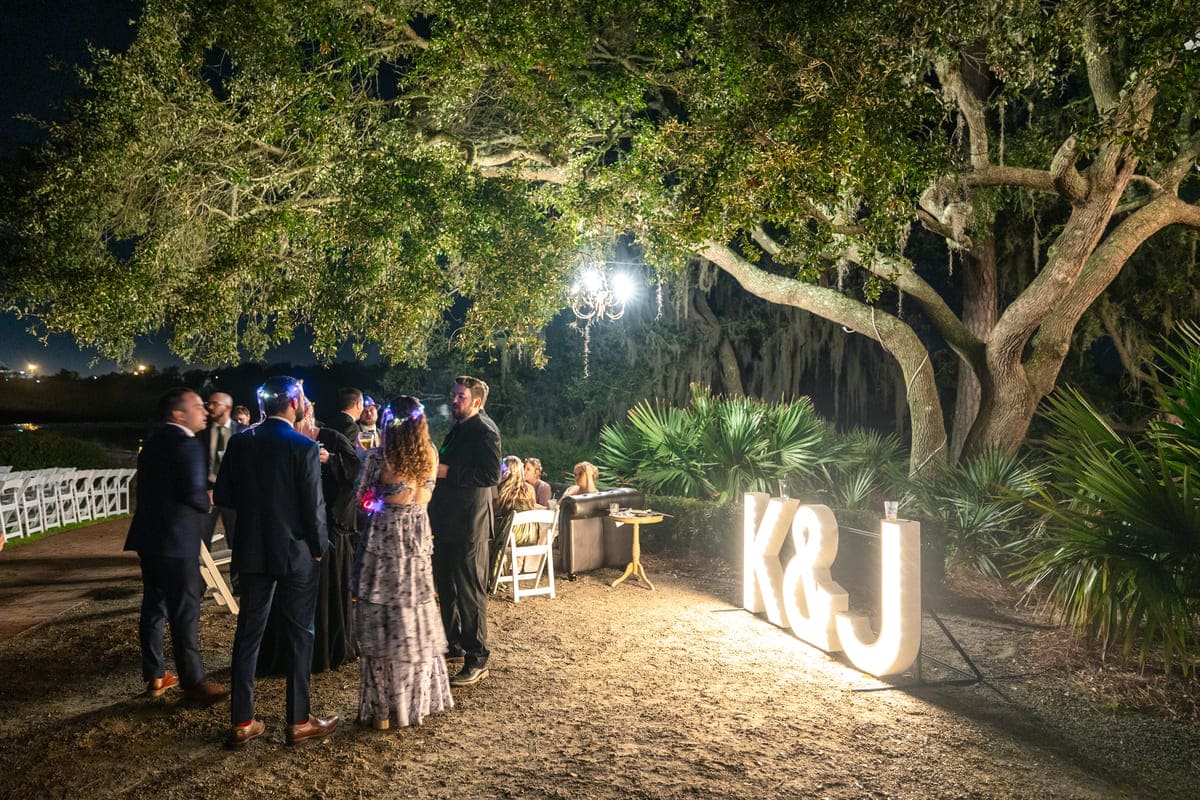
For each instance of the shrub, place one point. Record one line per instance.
(981, 505)
(698, 527)
(1120, 549)
(42, 449)
(716, 448)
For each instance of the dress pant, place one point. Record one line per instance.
(171, 590)
(295, 597)
(228, 518)
(460, 569)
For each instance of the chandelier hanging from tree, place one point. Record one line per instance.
(597, 296)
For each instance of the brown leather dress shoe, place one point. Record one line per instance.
(312, 728)
(239, 735)
(158, 686)
(206, 693)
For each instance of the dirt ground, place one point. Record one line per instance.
(601, 692)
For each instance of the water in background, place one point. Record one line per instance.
(120, 439)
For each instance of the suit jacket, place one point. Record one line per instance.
(212, 461)
(271, 476)
(461, 506)
(338, 476)
(171, 518)
(346, 425)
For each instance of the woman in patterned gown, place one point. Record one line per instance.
(400, 636)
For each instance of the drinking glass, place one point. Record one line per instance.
(890, 508)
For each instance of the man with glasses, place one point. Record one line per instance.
(272, 476)
(221, 428)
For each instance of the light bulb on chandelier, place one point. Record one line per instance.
(594, 296)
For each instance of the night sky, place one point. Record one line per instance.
(33, 33)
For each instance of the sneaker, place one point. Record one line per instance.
(469, 676)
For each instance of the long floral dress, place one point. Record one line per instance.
(401, 640)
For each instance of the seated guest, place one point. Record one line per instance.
(241, 415)
(533, 476)
(585, 479)
(514, 495)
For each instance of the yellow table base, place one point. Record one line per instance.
(635, 567)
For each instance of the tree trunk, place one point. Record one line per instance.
(731, 372)
(980, 310)
(895, 336)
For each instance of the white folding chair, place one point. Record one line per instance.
(11, 490)
(124, 481)
(81, 487)
(29, 497)
(210, 564)
(64, 490)
(543, 551)
(98, 492)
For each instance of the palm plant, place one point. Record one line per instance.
(716, 448)
(855, 469)
(981, 505)
(1120, 550)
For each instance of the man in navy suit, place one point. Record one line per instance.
(271, 476)
(167, 530)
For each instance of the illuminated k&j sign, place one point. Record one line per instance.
(803, 596)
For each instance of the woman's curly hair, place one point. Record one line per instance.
(407, 450)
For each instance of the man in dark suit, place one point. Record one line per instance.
(166, 532)
(215, 438)
(350, 408)
(460, 514)
(272, 476)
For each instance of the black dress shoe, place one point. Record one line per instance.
(469, 676)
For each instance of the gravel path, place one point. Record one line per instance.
(600, 693)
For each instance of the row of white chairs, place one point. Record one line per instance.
(32, 501)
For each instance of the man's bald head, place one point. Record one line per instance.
(219, 406)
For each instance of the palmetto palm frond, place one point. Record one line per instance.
(717, 447)
(1120, 550)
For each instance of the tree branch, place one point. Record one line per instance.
(1067, 180)
(894, 335)
(1179, 167)
(1052, 342)
(933, 224)
(900, 273)
(1099, 70)
(972, 108)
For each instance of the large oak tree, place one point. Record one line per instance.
(355, 167)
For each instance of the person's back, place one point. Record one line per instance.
(272, 475)
(281, 520)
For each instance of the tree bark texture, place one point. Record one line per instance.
(981, 304)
